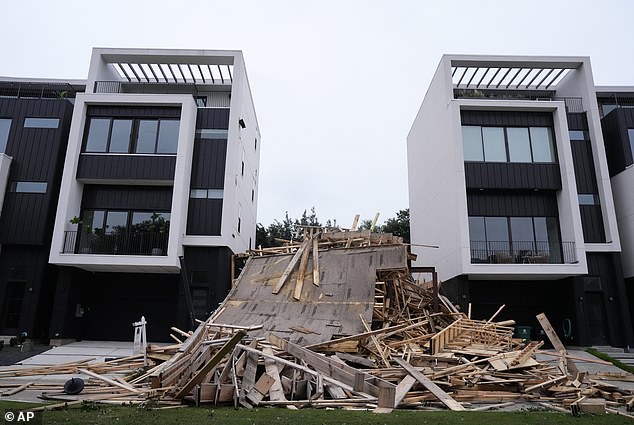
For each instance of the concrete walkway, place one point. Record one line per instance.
(97, 351)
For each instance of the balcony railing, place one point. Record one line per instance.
(523, 252)
(120, 243)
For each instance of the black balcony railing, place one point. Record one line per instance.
(119, 243)
(523, 252)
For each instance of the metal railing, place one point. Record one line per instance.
(523, 252)
(119, 243)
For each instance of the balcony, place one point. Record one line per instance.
(119, 243)
(523, 252)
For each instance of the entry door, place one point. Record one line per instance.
(13, 300)
(596, 318)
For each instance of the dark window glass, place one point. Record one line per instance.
(472, 143)
(588, 199)
(5, 126)
(29, 187)
(476, 229)
(209, 133)
(120, 137)
(116, 221)
(494, 145)
(522, 229)
(41, 122)
(94, 220)
(578, 135)
(519, 144)
(498, 236)
(168, 136)
(630, 133)
(198, 193)
(98, 135)
(146, 138)
(542, 144)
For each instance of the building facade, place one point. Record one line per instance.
(153, 186)
(508, 175)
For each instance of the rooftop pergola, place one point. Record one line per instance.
(510, 75)
(174, 72)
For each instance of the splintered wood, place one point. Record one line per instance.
(406, 353)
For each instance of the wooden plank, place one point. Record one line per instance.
(18, 389)
(126, 387)
(218, 356)
(343, 373)
(568, 367)
(315, 262)
(260, 389)
(276, 393)
(291, 265)
(403, 388)
(299, 282)
(433, 388)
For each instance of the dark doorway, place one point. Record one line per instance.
(596, 318)
(13, 300)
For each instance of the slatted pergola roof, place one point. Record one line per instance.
(509, 74)
(199, 73)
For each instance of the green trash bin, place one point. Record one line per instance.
(523, 332)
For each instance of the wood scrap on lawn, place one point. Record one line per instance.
(336, 320)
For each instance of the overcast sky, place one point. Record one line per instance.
(336, 84)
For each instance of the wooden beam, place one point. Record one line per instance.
(355, 223)
(126, 387)
(291, 265)
(433, 388)
(403, 388)
(299, 282)
(347, 375)
(218, 356)
(315, 262)
(568, 367)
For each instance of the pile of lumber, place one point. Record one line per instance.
(414, 350)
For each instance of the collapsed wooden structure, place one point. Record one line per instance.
(338, 321)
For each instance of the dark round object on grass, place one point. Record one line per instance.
(74, 386)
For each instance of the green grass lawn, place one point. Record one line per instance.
(111, 415)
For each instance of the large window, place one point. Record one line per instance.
(514, 239)
(123, 135)
(121, 232)
(29, 187)
(41, 122)
(508, 144)
(5, 127)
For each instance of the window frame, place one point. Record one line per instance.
(133, 142)
(505, 132)
(15, 187)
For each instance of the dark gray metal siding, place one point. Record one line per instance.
(215, 118)
(204, 217)
(584, 166)
(512, 203)
(208, 168)
(127, 197)
(488, 175)
(133, 111)
(616, 138)
(38, 154)
(126, 167)
(507, 118)
(586, 180)
(592, 223)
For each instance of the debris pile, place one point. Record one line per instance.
(338, 321)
